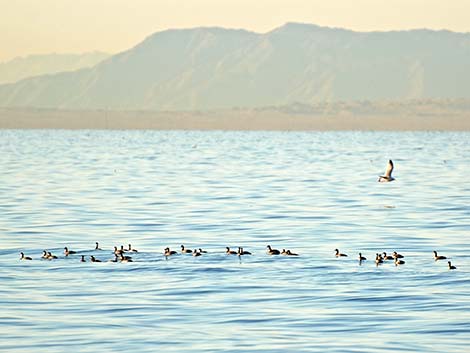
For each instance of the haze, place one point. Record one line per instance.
(70, 26)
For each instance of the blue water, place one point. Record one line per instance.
(309, 192)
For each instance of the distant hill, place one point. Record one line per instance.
(36, 65)
(215, 68)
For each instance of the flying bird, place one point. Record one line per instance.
(388, 173)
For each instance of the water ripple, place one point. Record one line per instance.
(308, 192)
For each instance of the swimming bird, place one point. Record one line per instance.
(83, 259)
(230, 252)
(438, 257)
(243, 252)
(125, 258)
(361, 258)
(289, 253)
(196, 253)
(68, 252)
(378, 259)
(116, 259)
(272, 251)
(130, 249)
(397, 255)
(185, 251)
(388, 173)
(169, 252)
(283, 252)
(117, 251)
(93, 259)
(338, 254)
(451, 267)
(97, 246)
(399, 262)
(50, 256)
(24, 257)
(202, 251)
(44, 254)
(387, 257)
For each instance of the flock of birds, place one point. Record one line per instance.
(395, 257)
(119, 254)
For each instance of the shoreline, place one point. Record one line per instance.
(231, 120)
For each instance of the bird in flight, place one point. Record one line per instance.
(388, 173)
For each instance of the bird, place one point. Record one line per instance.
(451, 267)
(399, 262)
(130, 249)
(196, 253)
(436, 257)
(93, 259)
(387, 257)
(125, 258)
(243, 252)
(397, 255)
(68, 252)
(83, 259)
(361, 258)
(184, 250)
(272, 251)
(338, 254)
(230, 252)
(44, 254)
(117, 251)
(169, 252)
(378, 259)
(289, 253)
(97, 246)
(24, 257)
(50, 256)
(202, 251)
(388, 173)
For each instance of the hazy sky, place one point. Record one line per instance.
(66, 26)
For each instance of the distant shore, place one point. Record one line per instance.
(234, 119)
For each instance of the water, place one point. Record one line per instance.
(309, 192)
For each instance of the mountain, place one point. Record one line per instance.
(214, 68)
(36, 65)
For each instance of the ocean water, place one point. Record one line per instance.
(310, 192)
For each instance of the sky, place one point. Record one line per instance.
(75, 26)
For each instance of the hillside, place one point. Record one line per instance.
(35, 65)
(215, 68)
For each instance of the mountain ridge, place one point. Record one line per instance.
(219, 68)
(23, 67)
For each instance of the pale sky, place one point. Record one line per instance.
(76, 26)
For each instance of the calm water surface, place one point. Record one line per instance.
(309, 192)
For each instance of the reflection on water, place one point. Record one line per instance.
(308, 192)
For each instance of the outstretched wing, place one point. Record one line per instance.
(388, 171)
